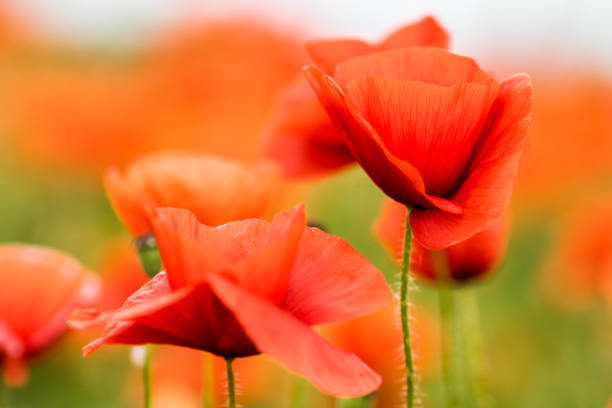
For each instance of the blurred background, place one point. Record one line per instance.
(84, 85)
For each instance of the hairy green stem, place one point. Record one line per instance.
(146, 377)
(231, 386)
(404, 285)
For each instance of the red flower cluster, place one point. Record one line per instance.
(250, 287)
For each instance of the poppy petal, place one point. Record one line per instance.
(296, 345)
(426, 32)
(401, 180)
(332, 282)
(190, 249)
(423, 64)
(127, 203)
(191, 317)
(301, 137)
(486, 191)
(433, 128)
(272, 248)
(328, 54)
(32, 310)
(11, 344)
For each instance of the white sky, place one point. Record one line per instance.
(562, 32)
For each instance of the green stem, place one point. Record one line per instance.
(231, 386)
(207, 381)
(448, 337)
(468, 308)
(404, 283)
(146, 377)
(298, 393)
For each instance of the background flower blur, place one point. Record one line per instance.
(87, 85)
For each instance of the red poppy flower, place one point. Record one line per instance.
(473, 258)
(216, 190)
(300, 136)
(39, 288)
(434, 132)
(250, 287)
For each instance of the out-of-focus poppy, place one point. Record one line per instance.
(300, 136)
(471, 259)
(219, 282)
(86, 110)
(434, 132)
(377, 339)
(216, 190)
(569, 146)
(39, 288)
(579, 269)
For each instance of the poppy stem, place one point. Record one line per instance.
(231, 386)
(404, 283)
(468, 309)
(146, 377)
(448, 335)
(298, 393)
(207, 380)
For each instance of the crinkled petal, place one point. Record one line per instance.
(433, 128)
(331, 282)
(487, 188)
(397, 178)
(271, 247)
(190, 249)
(282, 336)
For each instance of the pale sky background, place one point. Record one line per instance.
(561, 33)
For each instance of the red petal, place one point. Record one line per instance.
(423, 64)
(433, 128)
(287, 339)
(487, 189)
(426, 31)
(127, 203)
(331, 282)
(328, 54)
(271, 247)
(39, 287)
(473, 258)
(212, 188)
(397, 178)
(189, 249)
(301, 137)
(390, 227)
(190, 317)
